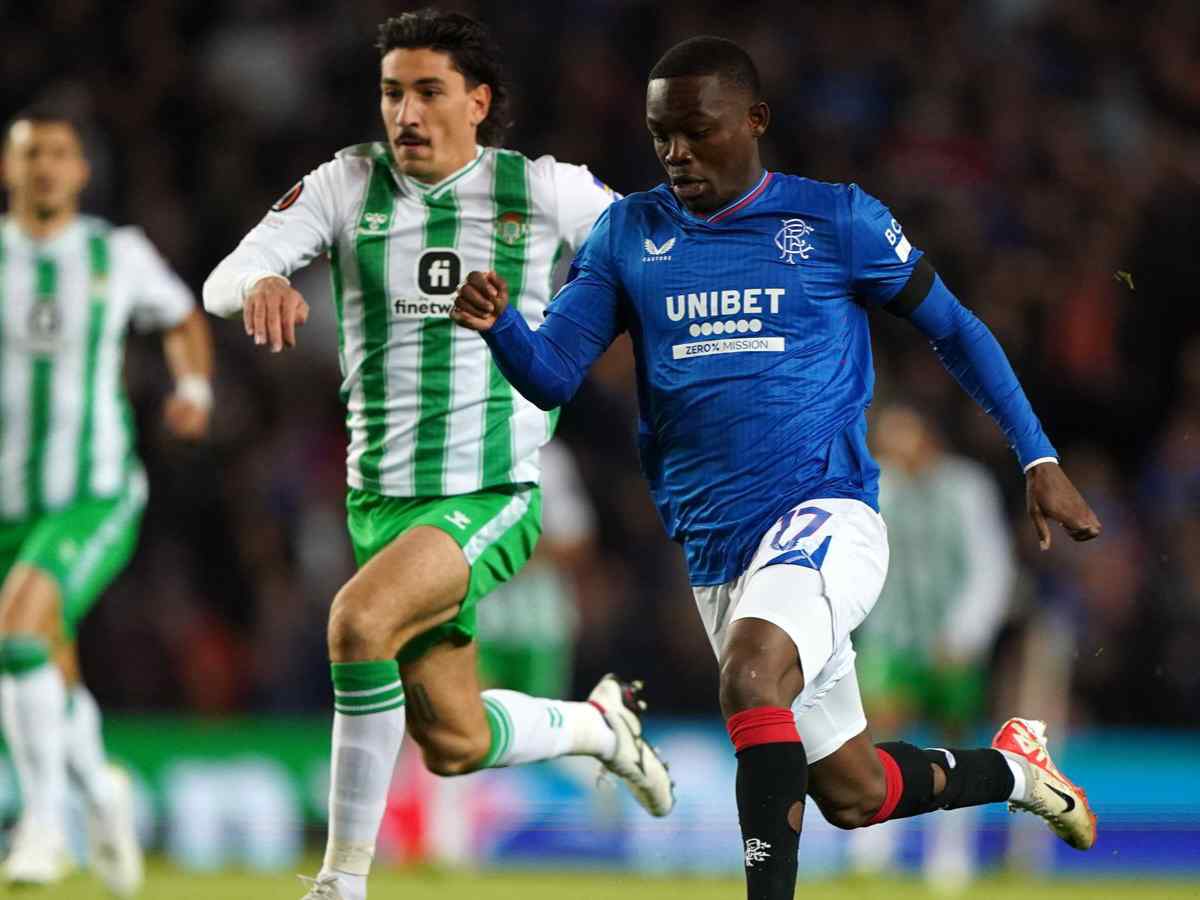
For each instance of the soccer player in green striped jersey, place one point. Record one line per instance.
(71, 488)
(443, 501)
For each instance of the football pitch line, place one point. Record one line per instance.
(165, 882)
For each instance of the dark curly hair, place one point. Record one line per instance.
(470, 47)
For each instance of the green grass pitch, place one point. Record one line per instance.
(164, 882)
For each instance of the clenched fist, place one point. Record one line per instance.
(480, 301)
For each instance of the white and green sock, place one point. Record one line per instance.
(368, 725)
(86, 759)
(33, 715)
(528, 729)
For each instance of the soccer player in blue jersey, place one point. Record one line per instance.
(747, 295)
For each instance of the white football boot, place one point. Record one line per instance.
(1048, 793)
(39, 856)
(635, 761)
(323, 887)
(114, 852)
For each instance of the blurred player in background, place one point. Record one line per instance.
(443, 500)
(746, 295)
(71, 489)
(924, 650)
(527, 627)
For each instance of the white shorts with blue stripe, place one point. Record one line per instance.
(816, 574)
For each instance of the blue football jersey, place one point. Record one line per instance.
(752, 347)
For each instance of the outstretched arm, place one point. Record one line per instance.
(253, 280)
(971, 353)
(546, 365)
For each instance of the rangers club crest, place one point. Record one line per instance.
(791, 240)
(757, 851)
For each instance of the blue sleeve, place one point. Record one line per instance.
(881, 259)
(548, 365)
(971, 353)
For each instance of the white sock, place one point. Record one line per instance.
(86, 760)
(363, 758)
(528, 729)
(873, 850)
(1020, 788)
(33, 714)
(950, 846)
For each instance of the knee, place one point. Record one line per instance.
(358, 626)
(30, 605)
(853, 806)
(756, 678)
(449, 754)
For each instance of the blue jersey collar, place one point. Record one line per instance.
(734, 207)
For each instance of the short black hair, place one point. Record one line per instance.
(41, 114)
(470, 47)
(709, 55)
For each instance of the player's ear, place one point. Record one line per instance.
(758, 117)
(481, 103)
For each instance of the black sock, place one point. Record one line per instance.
(973, 777)
(771, 779)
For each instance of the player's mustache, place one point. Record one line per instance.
(410, 137)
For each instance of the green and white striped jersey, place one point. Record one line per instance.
(951, 568)
(65, 306)
(427, 411)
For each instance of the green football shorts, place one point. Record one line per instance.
(496, 528)
(947, 695)
(543, 670)
(83, 547)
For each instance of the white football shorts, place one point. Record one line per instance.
(816, 574)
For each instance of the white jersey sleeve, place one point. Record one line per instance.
(160, 299)
(302, 224)
(983, 599)
(579, 197)
(567, 514)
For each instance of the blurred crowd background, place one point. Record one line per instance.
(1036, 150)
